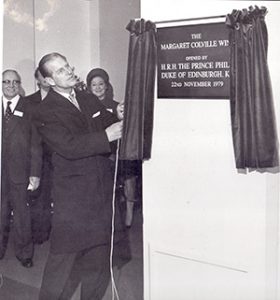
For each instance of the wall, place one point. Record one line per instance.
(67, 31)
(18, 42)
(114, 40)
(89, 33)
(61, 25)
(209, 232)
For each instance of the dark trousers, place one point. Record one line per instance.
(14, 198)
(64, 272)
(40, 206)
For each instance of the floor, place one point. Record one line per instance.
(19, 283)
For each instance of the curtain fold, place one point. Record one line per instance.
(252, 111)
(136, 142)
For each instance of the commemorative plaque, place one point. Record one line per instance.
(193, 61)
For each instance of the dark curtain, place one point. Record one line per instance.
(252, 112)
(136, 142)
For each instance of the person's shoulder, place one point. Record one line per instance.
(51, 99)
(45, 111)
(26, 102)
(89, 99)
(44, 107)
(35, 97)
(111, 100)
(25, 107)
(110, 104)
(86, 95)
(114, 103)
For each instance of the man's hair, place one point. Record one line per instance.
(11, 70)
(36, 73)
(42, 67)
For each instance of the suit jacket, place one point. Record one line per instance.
(34, 98)
(83, 180)
(21, 147)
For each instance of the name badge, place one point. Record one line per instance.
(18, 113)
(96, 114)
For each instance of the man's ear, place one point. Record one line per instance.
(50, 81)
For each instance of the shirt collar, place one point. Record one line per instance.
(13, 100)
(66, 95)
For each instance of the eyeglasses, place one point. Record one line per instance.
(65, 70)
(13, 82)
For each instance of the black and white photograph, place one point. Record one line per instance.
(140, 150)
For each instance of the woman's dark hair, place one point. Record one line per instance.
(98, 72)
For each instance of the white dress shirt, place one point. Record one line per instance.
(13, 104)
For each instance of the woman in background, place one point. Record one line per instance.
(98, 84)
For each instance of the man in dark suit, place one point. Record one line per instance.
(43, 90)
(79, 130)
(21, 168)
(40, 200)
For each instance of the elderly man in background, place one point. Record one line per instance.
(21, 168)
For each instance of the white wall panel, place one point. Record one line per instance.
(196, 205)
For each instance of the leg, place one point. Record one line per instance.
(22, 222)
(56, 273)
(5, 216)
(41, 208)
(130, 193)
(129, 213)
(64, 272)
(95, 272)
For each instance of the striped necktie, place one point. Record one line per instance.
(8, 112)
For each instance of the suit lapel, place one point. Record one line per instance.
(61, 103)
(38, 97)
(81, 102)
(2, 111)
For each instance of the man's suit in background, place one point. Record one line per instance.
(21, 158)
(82, 194)
(40, 200)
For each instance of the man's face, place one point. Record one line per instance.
(10, 84)
(62, 75)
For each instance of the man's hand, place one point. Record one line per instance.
(120, 110)
(34, 183)
(114, 132)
